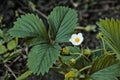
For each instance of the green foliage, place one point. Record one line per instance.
(7, 46)
(81, 61)
(24, 75)
(102, 62)
(11, 45)
(8, 52)
(62, 21)
(1, 33)
(105, 67)
(4, 36)
(110, 29)
(67, 59)
(45, 52)
(70, 50)
(11, 55)
(29, 25)
(74, 49)
(108, 73)
(2, 49)
(42, 57)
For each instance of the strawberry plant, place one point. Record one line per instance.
(74, 62)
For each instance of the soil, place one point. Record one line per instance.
(89, 11)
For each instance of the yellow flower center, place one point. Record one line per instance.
(77, 39)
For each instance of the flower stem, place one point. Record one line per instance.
(86, 67)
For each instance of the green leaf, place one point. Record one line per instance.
(1, 34)
(34, 41)
(2, 49)
(74, 49)
(24, 75)
(105, 67)
(1, 41)
(42, 57)
(108, 73)
(29, 25)
(81, 62)
(62, 21)
(110, 29)
(11, 45)
(102, 62)
(67, 59)
(4, 36)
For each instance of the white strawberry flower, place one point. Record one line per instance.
(76, 39)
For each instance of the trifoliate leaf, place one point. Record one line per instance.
(62, 21)
(42, 57)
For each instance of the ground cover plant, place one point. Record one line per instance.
(59, 47)
(74, 62)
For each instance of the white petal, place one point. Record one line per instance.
(72, 39)
(81, 38)
(74, 36)
(74, 43)
(79, 34)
